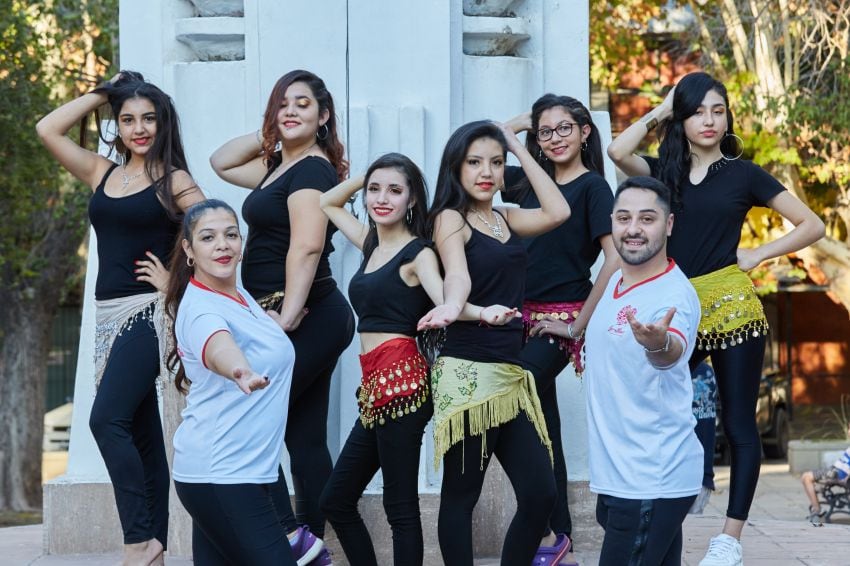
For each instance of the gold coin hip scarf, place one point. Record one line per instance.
(533, 312)
(394, 382)
(472, 397)
(731, 310)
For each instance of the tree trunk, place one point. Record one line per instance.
(27, 318)
(23, 372)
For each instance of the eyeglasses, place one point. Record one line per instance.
(563, 130)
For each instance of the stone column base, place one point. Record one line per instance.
(81, 518)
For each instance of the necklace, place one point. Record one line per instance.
(496, 229)
(125, 179)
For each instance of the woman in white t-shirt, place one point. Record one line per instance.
(237, 363)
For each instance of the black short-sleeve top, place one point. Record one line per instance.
(126, 228)
(266, 211)
(497, 274)
(383, 301)
(707, 222)
(559, 261)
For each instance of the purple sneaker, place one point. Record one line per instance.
(307, 547)
(324, 558)
(552, 555)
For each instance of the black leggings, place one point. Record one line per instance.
(641, 532)
(319, 340)
(527, 465)
(234, 524)
(738, 372)
(125, 424)
(394, 448)
(546, 360)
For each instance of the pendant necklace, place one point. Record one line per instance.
(496, 229)
(125, 179)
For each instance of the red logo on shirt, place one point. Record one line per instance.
(622, 320)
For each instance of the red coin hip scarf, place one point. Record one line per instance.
(533, 312)
(394, 382)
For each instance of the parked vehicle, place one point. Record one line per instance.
(772, 418)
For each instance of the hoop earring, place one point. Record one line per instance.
(541, 156)
(409, 216)
(324, 136)
(190, 261)
(690, 149)
(584, 146)
(740, 144)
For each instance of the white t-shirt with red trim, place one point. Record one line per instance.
(228, 437)
(642, 443)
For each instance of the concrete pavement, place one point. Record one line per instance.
(777, 533)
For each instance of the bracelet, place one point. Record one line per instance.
(651, 123)
(570, 331)
(259, 138)
(481, 321)
(665, 348)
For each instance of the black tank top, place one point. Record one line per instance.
(497, 271)
(126, 228)
(383, 301)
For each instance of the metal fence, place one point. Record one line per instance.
(62, 358)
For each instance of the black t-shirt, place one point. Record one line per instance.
(383, 301)
(126, 228)
(559, 261)
(707, 223)
(497, 273)
(267, 212)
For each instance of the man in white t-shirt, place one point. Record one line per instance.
(645, 459)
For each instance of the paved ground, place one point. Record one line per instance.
(777, 534)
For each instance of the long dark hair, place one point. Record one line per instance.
(329, 142)
(166, 155)
(179, 274)
(591, 153)
(674, 155)
(450, 194)
(418, 192)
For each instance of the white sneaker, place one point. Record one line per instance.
(723, 550)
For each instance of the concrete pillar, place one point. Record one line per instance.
(404, 75)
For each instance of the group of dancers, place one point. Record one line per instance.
(510, 285)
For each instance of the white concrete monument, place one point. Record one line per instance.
(404, 74)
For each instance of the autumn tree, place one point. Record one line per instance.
(787, 68)
(50, 51)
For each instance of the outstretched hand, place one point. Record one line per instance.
(248, 381)
(498, 315)
(652, 336)
(438, 317)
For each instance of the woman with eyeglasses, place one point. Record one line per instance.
(713, 190)
(565, 143)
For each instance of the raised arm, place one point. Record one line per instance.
(520, 122)
(333, 204)
(553, 210)
(223, 356)
(240, 161)
(450, 238)
(85, 165)
(622, 149)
